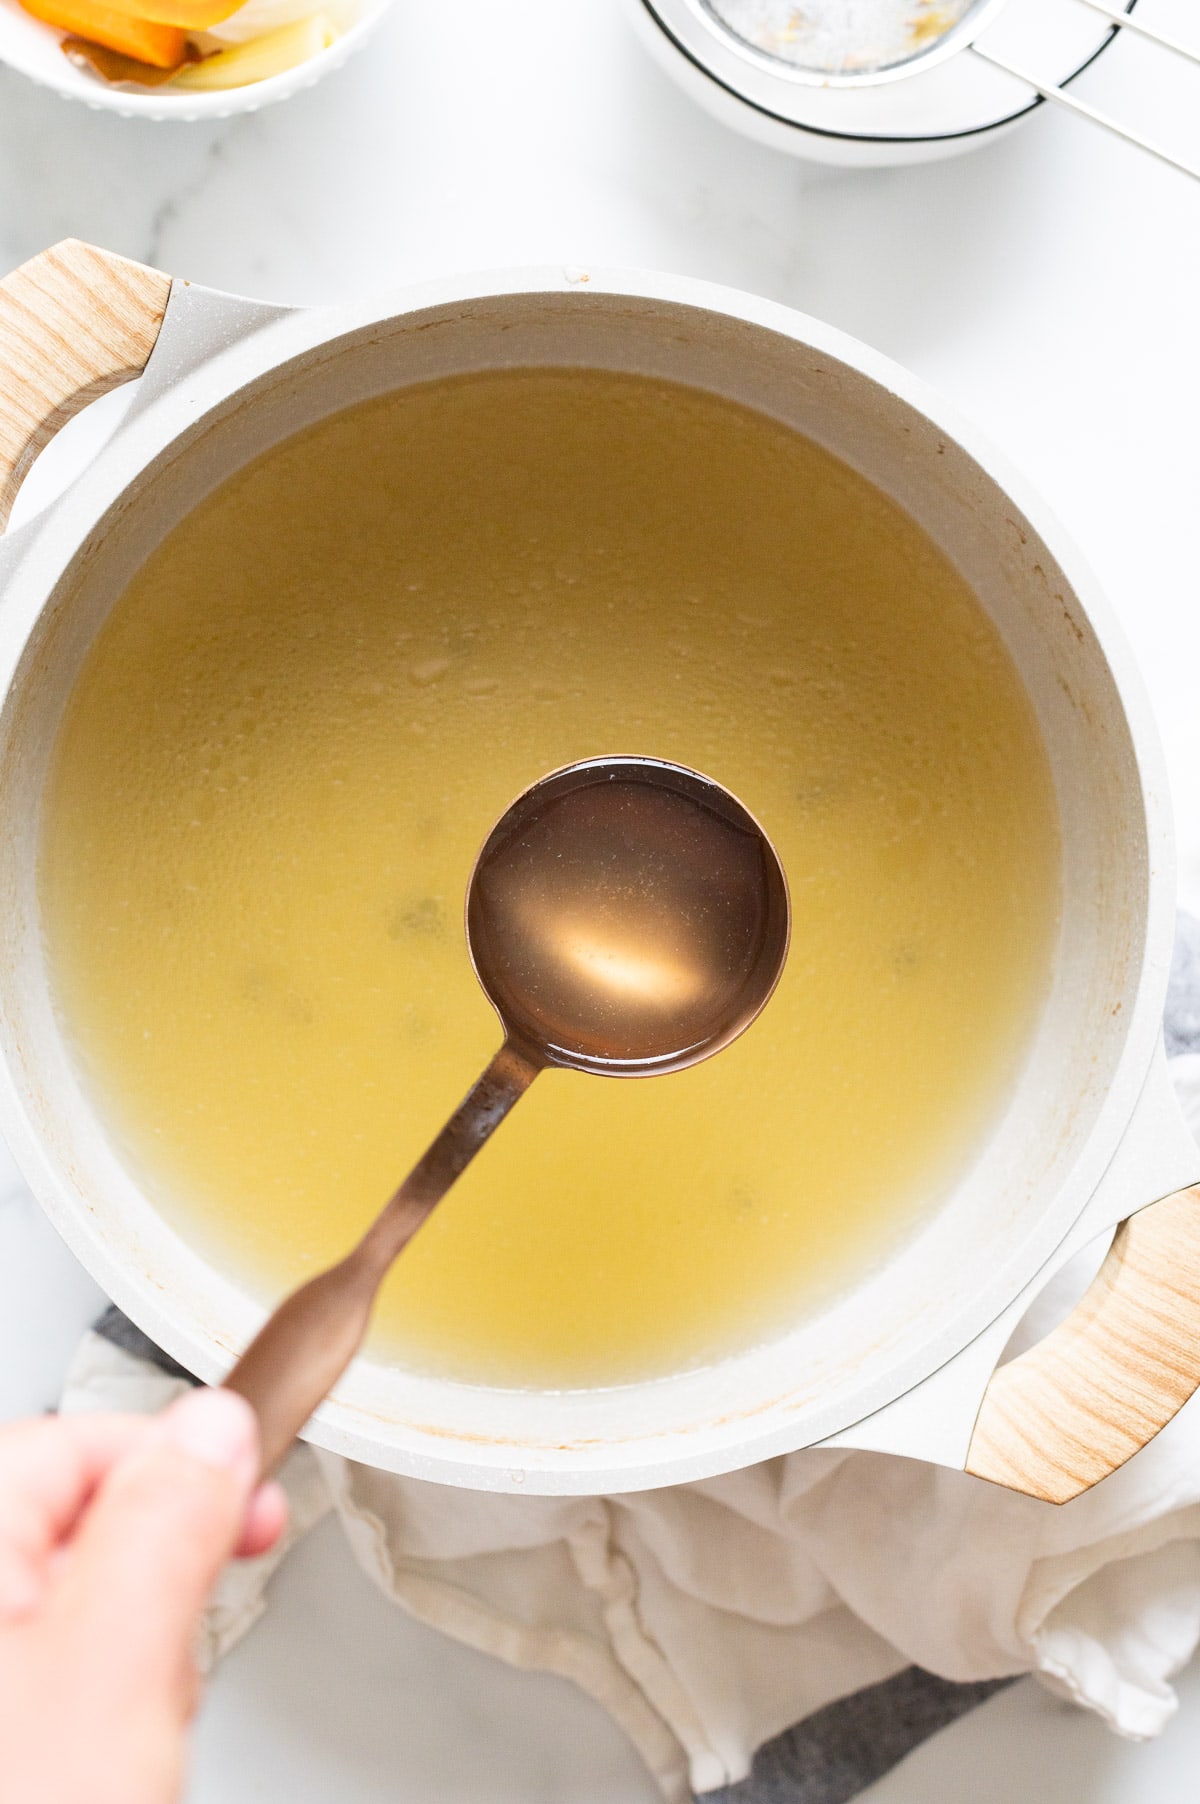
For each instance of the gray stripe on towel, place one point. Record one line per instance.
(1181, 1017)
(117, 1328)
(837, 1752)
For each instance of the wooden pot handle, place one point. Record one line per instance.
(75, 322)
(1065, 1414)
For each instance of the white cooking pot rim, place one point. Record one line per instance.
(178, 397)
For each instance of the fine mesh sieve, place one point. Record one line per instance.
(855, 44)
(851, 43)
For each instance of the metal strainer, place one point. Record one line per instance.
(854, 44)
(851, 43)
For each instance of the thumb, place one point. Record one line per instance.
(161, 1527)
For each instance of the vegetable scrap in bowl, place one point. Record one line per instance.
(191, 46)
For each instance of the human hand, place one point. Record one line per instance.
(113, 1530)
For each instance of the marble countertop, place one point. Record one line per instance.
(1049, 284)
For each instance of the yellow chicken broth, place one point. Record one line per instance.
(297, 725)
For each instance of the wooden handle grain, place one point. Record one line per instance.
(1067, 1413)
(75, 322)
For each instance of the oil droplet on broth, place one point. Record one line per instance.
(612, 1230)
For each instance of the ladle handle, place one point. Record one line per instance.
(302, 1349)
(75, 322)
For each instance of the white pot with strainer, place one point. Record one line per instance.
(870, 82)
(1091, 1138)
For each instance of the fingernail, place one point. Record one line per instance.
(215, 1427)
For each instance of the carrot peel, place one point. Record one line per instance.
(189, 15)
(163, 46)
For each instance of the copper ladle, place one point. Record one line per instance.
(624, 917)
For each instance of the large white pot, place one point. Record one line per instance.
(1092, 1133)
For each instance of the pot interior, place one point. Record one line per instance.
(1031, 1172)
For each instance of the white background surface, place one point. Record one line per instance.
(1049, 284)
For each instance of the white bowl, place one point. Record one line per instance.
(34, 49)
(941, 108)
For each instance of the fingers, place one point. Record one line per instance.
(162, 1524)
(264, 1522)
(48, 1471)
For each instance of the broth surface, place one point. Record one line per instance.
(301, 719)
